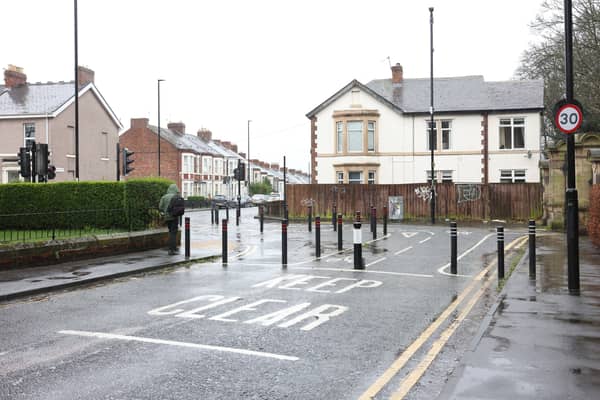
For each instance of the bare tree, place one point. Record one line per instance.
(545, 59)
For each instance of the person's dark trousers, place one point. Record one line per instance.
(173, 225)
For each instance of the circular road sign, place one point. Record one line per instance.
(568, 118)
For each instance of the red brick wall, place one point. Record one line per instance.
(594, 215)
(144, 143)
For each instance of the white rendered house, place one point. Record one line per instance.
(485, 132)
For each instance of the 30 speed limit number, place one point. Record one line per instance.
(568, 118)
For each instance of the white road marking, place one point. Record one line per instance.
(409, 234)
(112, 336)
(442, 269)
(381, 238)
(403, 250)
(375, 262)
(424, 240)
(246, 251)
(367, 271)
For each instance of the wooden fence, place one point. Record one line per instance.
(510, 201)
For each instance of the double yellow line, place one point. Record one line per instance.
(413, 377)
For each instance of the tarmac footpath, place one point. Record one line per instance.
(538, 341)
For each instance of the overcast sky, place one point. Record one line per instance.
(226, 62)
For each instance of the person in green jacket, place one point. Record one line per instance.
(172, 222)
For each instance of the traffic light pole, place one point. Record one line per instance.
(239, 205)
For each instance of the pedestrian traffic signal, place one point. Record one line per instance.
(24, 162)
(51, 172)
(242, 172)
(127, 160)
(41, 159)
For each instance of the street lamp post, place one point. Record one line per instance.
(158, 83)
(431, 136)
(76, 97)
(249, 173)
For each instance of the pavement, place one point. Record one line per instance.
(537, 342)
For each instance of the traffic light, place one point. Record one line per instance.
(51, 172)
(24, 162)
(242, 172)
(236, 175)
(127, 160)
(41, 159)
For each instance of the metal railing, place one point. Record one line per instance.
(38, 226)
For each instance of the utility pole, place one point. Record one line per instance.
(76, 98)
(158, 83)
(249, 152)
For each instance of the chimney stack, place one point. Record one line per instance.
(217, 141)
(397, 73)
(177, 127)
(14, 76)
(243, 155)
(205, 134)
(139, 123)
(233, 147)
(85, 75)
(275, 166)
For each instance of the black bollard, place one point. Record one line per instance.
(339, 231)
(261, 217)
(217, 215)
(500, 234)
(453, 241)
(187, 237)
(374, 219)
(212, 215)
(284, 242)
(224, 251)
(385, 217)
(371, 217)
(318, 235)
(310, 218)
(357, 240)
(531, 249)
(333, 217)
(227, 213)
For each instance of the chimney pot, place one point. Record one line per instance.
(397, 73)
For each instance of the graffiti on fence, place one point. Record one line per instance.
(468, 192)
(423, 192)
(307, 202)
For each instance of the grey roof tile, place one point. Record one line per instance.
(35, 99)
(185, 141)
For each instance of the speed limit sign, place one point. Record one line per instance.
(568, 117)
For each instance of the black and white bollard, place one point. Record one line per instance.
(310, 218)
(284, 225)
(385, 220)
(318, 235)
(339, 231)
(531, 249)
(500, 234)
(187, 237)
(357, 240)
(224, 246)
(453, 248)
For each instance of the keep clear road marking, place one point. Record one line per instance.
(410, 351)
(365, 271)
(112, 336)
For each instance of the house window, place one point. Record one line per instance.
(355, 136)
(371, 136)
(340, 177)
(206, 166)
(355, 177)
(371, 178)
(339, 127)
(443, 141)
(444, 176)
(188, 164)
(512, 175)
(29, 134)
(512, 133)
(105, 145)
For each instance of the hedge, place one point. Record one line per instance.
(69, 205)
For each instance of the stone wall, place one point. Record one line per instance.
(594, 218)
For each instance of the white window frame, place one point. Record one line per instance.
(187, 163)
(354, 180)
(355, 131)
(371, 177)
(26, 139)
(340, 177)
(441, 176)
(371, 136)
(339, 128)
(439, 139)
(512, 125)
(513, 176)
